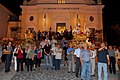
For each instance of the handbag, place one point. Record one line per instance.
(39, 55)
(15, 54)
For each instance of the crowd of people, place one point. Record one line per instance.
(81, 60)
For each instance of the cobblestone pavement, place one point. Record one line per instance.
(42, 74)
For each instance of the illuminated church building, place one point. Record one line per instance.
(61, 14)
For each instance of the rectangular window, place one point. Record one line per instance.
(61, 1)
(60, 27)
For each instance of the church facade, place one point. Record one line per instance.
(61, 14)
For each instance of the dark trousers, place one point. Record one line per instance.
(29, 64)
(35, 62)
(57, 64)
(8, 59)
(53, 57)
(19, 62)
(43, 53)
(112, 65)
(78, 66)
(39, 62)
(3, 57)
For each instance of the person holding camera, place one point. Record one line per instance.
(19, 55)
(103, 60)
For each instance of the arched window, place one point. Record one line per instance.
(61, 1)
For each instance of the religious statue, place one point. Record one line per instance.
(76, 30)
(78, 37)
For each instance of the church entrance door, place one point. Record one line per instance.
(60, 27)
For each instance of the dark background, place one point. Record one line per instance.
(111, 18)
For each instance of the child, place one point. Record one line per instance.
(39, 56)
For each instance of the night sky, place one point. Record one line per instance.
(111, 17)
(13, 5)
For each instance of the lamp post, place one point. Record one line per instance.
(44, 28)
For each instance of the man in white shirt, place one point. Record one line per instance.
(53, 41)
(77, 58)
(47, 39)
(53, 53)
(42, 43)
(92, 59)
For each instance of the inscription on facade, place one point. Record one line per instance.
(61, 8)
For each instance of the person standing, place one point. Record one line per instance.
(0, 53)
(85, 55)
(30, 57)
(47, 40)
(77, 59)
(53, 44)
(53, 41)
(39, 55)
(4, 47)
(70, 56)
(19, 56)
(58, 57)
(64, 41)
(14, 57)
(47, 53)
(65, 54)
(111, 53)
(8, 57)
(117, 55)
(35, 57)
(103, 59)
(92, 59)
(53, 53)
(42, 43)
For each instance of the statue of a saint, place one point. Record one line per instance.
(76, 30)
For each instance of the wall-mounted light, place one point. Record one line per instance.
(78, 21)
(44, 20)
(44, 17)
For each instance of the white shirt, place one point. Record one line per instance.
(77, 52)
(58, 54)
(94, 54)
(53, 43)
(42, 43)
(54, 50)
(48, 41)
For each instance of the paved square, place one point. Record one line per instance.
(42, 74)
